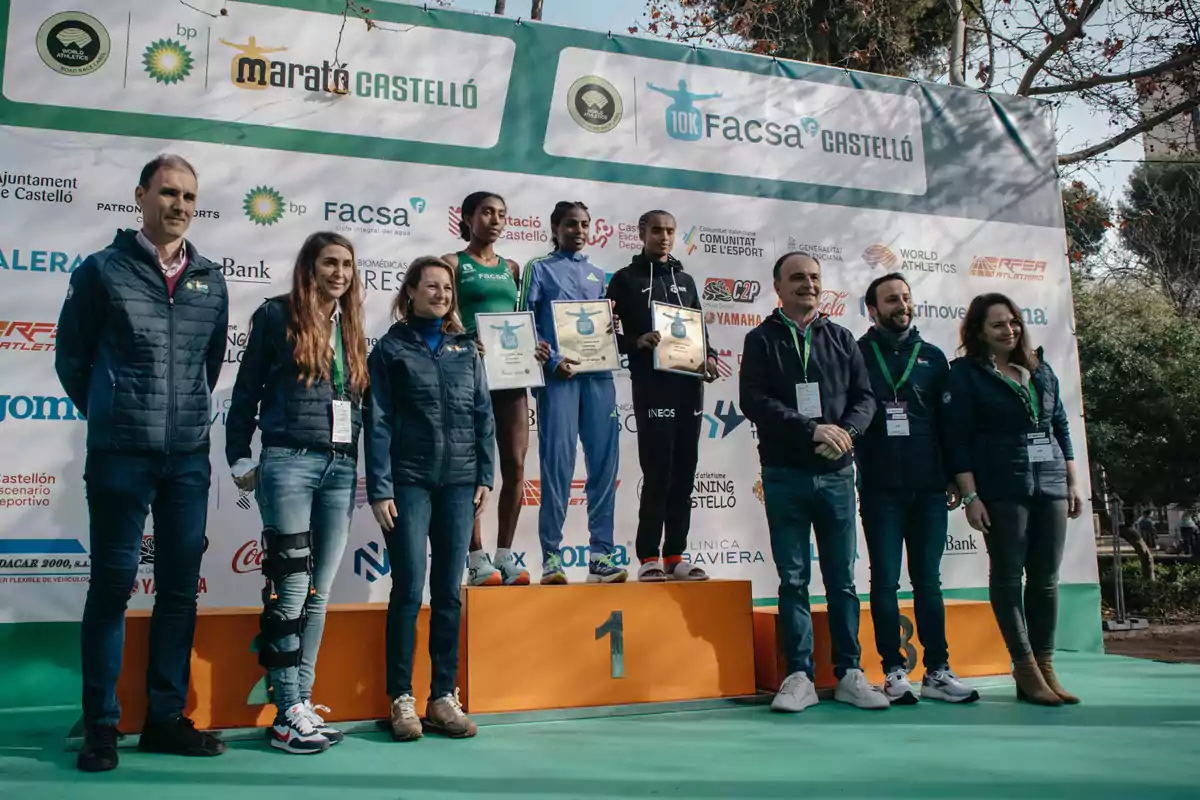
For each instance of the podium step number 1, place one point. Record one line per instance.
(614, 628)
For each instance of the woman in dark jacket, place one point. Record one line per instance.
(303, 376)
(430, 437)
(1010, 451)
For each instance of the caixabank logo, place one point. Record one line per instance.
(961, 545)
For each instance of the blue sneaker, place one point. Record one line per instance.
(603, 570)
(553, 572)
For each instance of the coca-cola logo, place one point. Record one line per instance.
(833, 303)
(248, 558)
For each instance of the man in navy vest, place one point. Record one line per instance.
(906, 492)
(140, 342)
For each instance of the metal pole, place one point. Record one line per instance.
(1114, 510)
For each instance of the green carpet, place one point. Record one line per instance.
(1136, 736)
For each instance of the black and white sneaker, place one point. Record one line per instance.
(332, 734)
(294, 732)
(898, 690)
(944, 685)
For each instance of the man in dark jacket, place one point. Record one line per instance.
(804, 384)
(906, 490)
(141, 338)
(667, 406)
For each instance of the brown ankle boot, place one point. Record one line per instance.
(1046, 666)
(1031, 686)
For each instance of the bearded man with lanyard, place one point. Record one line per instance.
(906, 492)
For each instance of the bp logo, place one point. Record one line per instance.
(73, 43)
(167, 61)
(263, 205)
(595, 104)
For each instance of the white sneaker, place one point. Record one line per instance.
(480, 571)
(332, 734)
(796, 694)
(294, 732)
(898, 690)
(854, 689)
(942, 684)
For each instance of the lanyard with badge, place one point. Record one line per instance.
(808, 395)
(1037, 443)
(896, 411)
(343, 432)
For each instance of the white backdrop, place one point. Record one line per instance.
(86, 193)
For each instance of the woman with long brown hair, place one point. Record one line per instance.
(1009, 448)
(303, 376)
(430, 436)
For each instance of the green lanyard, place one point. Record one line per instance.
(339, 358)
(887, 376)
(796, 341)
(1028, 395)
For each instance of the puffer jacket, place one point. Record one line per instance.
(987, 432)
(290, 413)
(428, 414)
(139, 363)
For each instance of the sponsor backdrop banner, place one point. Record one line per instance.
(297, 125)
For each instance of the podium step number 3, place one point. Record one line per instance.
(614, 628)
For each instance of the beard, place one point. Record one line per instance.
(897, 323)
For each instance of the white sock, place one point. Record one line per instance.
(477, 558)
(503, 554)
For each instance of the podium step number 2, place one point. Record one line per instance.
(614, 628)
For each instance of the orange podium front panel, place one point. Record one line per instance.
(350, 670)
(976, 647)
(546, 647)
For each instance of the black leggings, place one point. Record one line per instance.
(1026, 538)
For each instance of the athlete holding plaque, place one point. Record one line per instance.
(487, 285)
(663, 334)
(574, 406)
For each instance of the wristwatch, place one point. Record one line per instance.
(970, 498)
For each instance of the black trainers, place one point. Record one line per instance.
(179, 738)
(99, 753)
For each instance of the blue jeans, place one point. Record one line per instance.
(799, 502)
(892, 521)
(122, 488)
(298, 491)
(444, 516)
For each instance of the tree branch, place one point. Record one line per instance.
(1071, 30)
(958, 41)
(991, 44)
(1101, 80)
(1145, 125)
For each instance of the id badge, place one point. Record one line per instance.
(808, 399)
(343, 431)
(1037, 445)
(896, 418)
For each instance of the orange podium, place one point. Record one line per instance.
(546, 647)
(350, 672)
(976, 647)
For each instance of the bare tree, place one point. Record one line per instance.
(1096, 51)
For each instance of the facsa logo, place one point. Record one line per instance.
(1013, 269)
(728, 290)
(365, 218)
(532, 495)
(372, 562)
(28, 336)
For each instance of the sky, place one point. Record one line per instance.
(1077, 125)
